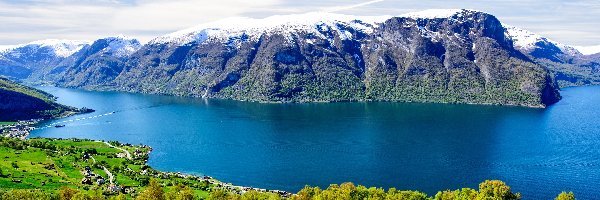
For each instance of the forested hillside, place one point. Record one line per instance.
(19, 102)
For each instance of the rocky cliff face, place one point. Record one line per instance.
(462, 57)
(450, 56)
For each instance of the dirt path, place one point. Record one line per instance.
(119, 148)
(110, 175)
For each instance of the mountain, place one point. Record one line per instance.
(455, 56)
(19, 102)
(21, 61)
(450, 56)
(588, 50)
(95, 64)
(569, 66)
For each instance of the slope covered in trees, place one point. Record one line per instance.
(19, 102)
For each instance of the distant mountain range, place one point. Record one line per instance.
(449, 56)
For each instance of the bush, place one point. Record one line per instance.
(565, 196)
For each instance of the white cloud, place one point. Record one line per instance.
(342, 8)
(144, 19)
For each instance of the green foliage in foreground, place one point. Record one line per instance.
(51, 169)
(565, 196)
(488, 190)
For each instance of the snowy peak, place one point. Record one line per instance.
(438, 13)
(311, 22)
(528, 41)
(253, 28)
(120, 46)
(588, 50)
(60, 48)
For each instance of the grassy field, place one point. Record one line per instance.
(7, 123)
(50, 164)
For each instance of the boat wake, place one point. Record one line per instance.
(62, 123)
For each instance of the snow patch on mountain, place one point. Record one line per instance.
(588, 50)
(243, 27)
(435, 13)
(4, 48)
(122, 46)
(61, 48)
(254, 28)
(526, 40)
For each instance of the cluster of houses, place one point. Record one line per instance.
(90, 178)
(20, 129)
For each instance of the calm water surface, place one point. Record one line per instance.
(427, 147)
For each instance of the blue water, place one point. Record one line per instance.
(427, 147)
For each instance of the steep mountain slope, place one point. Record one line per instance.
(95, 64)
(18, 102)
(451, 56)
(569, 66)
(22, 61)
(457, 56)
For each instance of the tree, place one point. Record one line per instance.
(67, 193)
(222, 195)
(180, 192)
(495, 189)
(119, 197)
(406, 195)
(25, 195)
(154, 191)
(463, 194)
(255, 195)
(565, 196)
(93, 195)
(308, 193)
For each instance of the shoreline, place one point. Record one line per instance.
(22, 129)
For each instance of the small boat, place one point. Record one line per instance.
(59, 126)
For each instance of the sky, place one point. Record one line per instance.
(572, 22)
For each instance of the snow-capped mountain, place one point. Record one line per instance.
(94, 64)
(121, 46)
(588, 50)
(251, 29)
(530, 42)
(59, 48)
(331, 57)
(570, 65)
(21, 61)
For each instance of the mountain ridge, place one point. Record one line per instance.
(214, 60)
